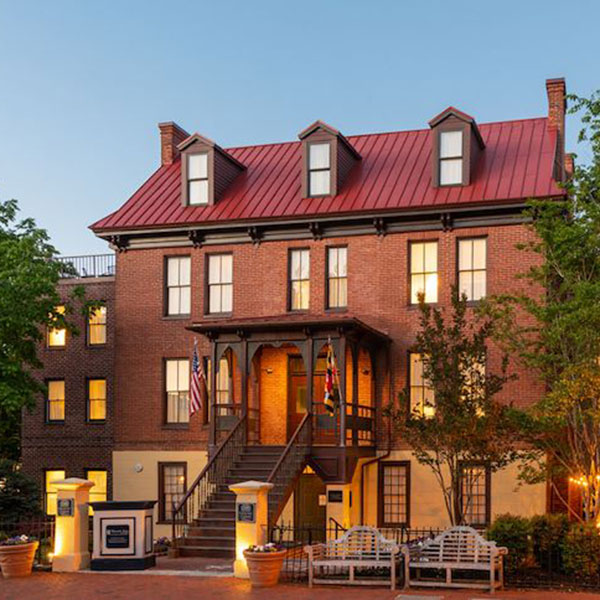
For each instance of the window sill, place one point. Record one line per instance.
(54, 422)
(96, 346)
(411, 306)
(96, 422)
(176, 426)
(56, 348)
(337, 309)
(225, 315)
(176, 317)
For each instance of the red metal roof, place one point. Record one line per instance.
(394, 174)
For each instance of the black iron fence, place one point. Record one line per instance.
(42, 529)
(92, 265)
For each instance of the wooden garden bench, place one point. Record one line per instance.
(360, 547)
(457, 549)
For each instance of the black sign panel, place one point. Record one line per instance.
(65, 507)
(117, 536)
(246, 512)
(335, 496)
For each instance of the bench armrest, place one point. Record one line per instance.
(502, 550)
(315, 551)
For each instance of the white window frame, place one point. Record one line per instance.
(178, 294)
(424, 280)
(318, 169)
(451, 157)
(219, 291)
(177, 396)
(200, 178)
(467, 272)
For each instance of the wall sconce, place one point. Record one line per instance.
(268, 370)
(365, 371)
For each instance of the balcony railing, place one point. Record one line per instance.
(91, 265)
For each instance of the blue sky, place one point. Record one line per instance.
(83, 84)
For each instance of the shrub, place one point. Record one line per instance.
(514, 533)
(581, 550)
(547, 535)
(19, 495)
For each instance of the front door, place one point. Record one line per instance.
(309, 512)
(297, 389)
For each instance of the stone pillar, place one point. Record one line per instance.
(251, 517)
(71, 536)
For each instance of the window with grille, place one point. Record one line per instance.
(475, 494)
(197, 178)
(172, 487)
(423, 271)
(337, 277)
(451, 157)
(50, 491)
(177, 388)
(422, 400)
(394, 493)
(57, 336)
(178, 285)
(96, 399)
(220, 283)
(96, 332)
(55, 401)
(472, 268)
(299, 279)
(319, 169)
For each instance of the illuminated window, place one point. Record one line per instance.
(451, 157)
(423, 271)
(55, 401)
(475, 494)
(57, 338)
(220, 283)
(319, 169)
(197, 174)
(178, 385)
(97, 326)
(394, 490)
(422, 400)
(337, 277)
(223, 387)
(299, 279)
(472, 268)
(171, 488)
(97, 399)
(99, 492)
(50, 491)
(178, 285)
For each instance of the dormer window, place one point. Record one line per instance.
(451, 157)
(197, 170)
(319, 169)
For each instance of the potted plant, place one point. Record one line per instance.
(16, 555)
(264, 564)
(162, 546)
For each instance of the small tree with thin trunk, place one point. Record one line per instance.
(465, 424)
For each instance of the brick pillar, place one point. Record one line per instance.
(557, 105)
(171, 135)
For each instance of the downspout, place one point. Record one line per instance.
(389, 448)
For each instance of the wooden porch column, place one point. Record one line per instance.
(355, 349)
(310, 352)
(213, 397)
(244, 374)
(342, 377)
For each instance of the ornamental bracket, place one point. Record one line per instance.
(380, 226)
(316, 230)
(196, 237)
(120, 242)
(446, 220)
(255, 235)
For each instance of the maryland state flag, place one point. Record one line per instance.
(331, 378)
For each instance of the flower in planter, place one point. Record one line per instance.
(17, 540)
(270, 547)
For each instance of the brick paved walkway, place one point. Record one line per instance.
(101, 586)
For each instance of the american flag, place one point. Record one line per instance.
(331, 375)
(199, 391)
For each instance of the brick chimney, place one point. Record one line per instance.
(171, 135)
(557, 105)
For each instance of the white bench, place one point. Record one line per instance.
(360, 547)
(458, 548)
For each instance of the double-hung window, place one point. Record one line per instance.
(319, 169)
(55, 401)
(220, 283)
(177, 382)
(178, 285)
(422, 400)
(197, 178)
(337, 277)
(423, 271)
(57, 336)
(299, 279)
(96, 326)
(96, 399)
(472, 268)
(451, 157)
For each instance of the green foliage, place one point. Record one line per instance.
(547, 535)
(469, 425)
(19, 495)
(514, 533)
(581, 550)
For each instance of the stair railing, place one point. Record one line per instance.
(288, 467)
(211, 477)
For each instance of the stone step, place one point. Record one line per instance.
(225, 512)
(208, 552)
(210, 541)
(210, 530)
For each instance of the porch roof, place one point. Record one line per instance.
(287, 323)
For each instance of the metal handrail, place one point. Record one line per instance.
(90, 265)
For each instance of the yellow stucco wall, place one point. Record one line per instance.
(131, 485)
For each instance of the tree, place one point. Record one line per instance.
(464, 424)
(19, 495)
(557, 332)
(29, 297)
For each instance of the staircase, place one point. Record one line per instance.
(212, 532)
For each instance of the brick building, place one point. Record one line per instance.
(262, 254)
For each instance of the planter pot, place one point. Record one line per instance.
(264, 567)
(17, 561)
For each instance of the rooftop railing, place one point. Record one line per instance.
(91, 265)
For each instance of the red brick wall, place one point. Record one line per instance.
(378, 293)
(74, 445)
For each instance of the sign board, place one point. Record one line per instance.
(65, 507)
(335, 496)
(117, 536)
(246, 512)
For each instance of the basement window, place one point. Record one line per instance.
(451, 158)
(197, 174)
(319, 170)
